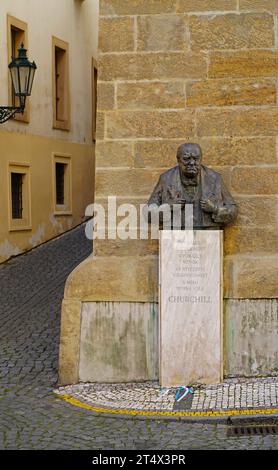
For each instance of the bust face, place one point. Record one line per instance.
(189, 159)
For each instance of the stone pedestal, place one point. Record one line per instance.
(118, 342)
(190, 307)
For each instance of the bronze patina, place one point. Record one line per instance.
(190, 182)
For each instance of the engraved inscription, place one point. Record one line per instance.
(190, 307)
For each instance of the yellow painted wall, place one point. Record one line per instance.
(34, 143)
(38, 152)
(73, 21)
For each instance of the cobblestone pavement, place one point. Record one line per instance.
(31, 416)
(231, 395)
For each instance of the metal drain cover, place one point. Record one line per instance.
(238, 431)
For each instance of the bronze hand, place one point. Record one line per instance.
(208, 206)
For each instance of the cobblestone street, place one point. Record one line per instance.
(32, 417)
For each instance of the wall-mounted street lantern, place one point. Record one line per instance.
(22, 73)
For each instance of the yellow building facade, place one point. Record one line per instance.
(47, 154)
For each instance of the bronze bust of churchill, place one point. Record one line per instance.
(190, 182)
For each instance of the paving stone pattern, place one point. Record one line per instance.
(233, 394)
(31, 416)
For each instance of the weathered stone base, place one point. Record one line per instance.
(127, 307)
(251, 337)
(119, 342)
(108, 342)
(112, 282)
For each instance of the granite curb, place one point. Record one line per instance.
(224, 402)
(225, 420)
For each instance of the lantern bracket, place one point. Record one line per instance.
(7, 112)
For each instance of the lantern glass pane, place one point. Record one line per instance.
(31, 79)
(15, 79)
(24, 76)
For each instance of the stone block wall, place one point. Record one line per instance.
(203, 71)
(172, 71)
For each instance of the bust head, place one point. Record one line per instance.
(189, 157)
